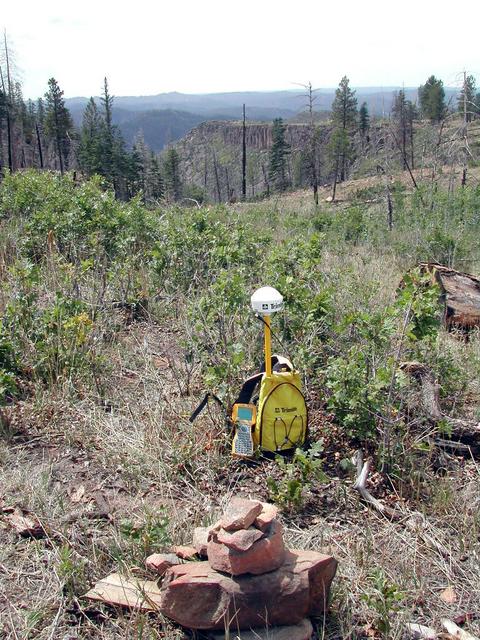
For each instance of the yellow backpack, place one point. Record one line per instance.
(282, 418)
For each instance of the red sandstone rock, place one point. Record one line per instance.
(184, 552)
(240, 540)
(240, 514)
(266, 554)
(160, 562)
(197, 596)
(200, 540)
(268, 513)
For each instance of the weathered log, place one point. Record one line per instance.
(460, 294)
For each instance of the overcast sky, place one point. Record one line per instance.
(147, 47)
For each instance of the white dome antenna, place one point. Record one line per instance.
(266, 301)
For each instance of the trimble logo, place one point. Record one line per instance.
(285, 409)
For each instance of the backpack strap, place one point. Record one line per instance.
(203, 404)
(246, 392)
(248, 387)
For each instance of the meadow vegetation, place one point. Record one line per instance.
(114, 321)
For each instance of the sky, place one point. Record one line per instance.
(147, 47)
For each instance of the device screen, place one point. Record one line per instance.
(245, 413)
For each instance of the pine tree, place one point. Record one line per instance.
(116, 165)
(89, 150)
(278, 155)
(41, 112)
(58, 123)
(344, 107)
(171, 172)
(411, 115)
(466, 102)
(344, 115)
(156, 185)
(363, 120)
(432, 99)
(107, 143)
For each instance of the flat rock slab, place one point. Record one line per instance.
(268, 513)
(240, 514)
(240, 540)
(301, 631)
(184, 552)
(198, 597)
(160, 562)
(200, 540)
(266, 554)
(134, 594)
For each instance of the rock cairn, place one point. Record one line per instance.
(247, 579)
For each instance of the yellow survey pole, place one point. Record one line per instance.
(268, 346)
(266, 301)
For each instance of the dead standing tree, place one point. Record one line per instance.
(313, 160)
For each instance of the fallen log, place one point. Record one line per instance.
(460, 295)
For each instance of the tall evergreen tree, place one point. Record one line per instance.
(90, 147)
(278, 155)
(363, 120)
(116, 164)
(156, 184)
(171, 172)
(344, 115)
(58, 123)
(432, 99)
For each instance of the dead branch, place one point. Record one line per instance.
(360, 485)
(456, 632)
(419, 631)
(414, 521)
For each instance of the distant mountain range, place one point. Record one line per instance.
(167, 117)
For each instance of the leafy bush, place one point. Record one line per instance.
(298, 474)
(80, 220)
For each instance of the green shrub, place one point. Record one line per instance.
(80, 220)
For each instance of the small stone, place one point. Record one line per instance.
(240, 540)
(268, 513)
(240, 514)
(160, 562)
(266, 554)
(200, 540)
(184, 552)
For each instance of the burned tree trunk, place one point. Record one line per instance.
(460, 295)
